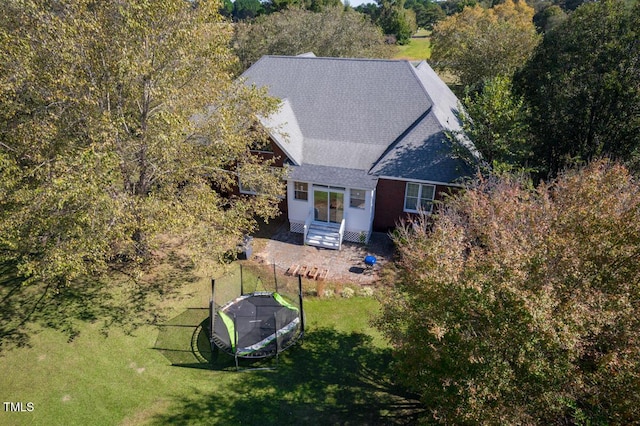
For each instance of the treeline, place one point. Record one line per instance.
(398, 19)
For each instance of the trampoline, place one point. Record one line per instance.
(259, 324)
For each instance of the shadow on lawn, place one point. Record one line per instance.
(332, 378)
(118, 299)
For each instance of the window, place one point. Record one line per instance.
(357, 198)
(245, 189)
(301, 191)
(419, 197)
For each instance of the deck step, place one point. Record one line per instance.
(320, 240)
(330, 236)
(324, 244)
(325, 226)
(325, 236)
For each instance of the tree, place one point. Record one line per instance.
(583, 88)
(395, 20)
(369, 9)
(331, 32)
(521, 305)
(549, 18)
(247, 9)
(451, 7)
(478, 44)
(496, 121)
(122, 127)
(313, 5)
(226, 9)
(428, 13)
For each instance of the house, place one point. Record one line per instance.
(365, 141)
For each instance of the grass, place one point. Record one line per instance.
(338, 375)
(418, 49)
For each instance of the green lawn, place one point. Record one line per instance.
(418, 49)
(338, 375)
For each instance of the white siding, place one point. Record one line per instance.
(358, 221)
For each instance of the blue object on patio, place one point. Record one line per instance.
(370, 261)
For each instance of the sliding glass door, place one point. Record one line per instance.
(328, 205)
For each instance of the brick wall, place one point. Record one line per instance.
(390, 203)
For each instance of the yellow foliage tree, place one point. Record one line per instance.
(122, 126)
(478, 44)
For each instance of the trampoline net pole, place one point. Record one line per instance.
(241, 282)
(276, 328)
(211, 309)
(235, 340)
(275, 277)
(301, 306)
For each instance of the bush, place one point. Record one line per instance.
(348, 293)
(366, 292)
(328, 293)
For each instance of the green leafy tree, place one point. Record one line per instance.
(451, 7)
(332, 32)
(226, 9)
(497, 122)
(313, 5)
(478, 44)
(583, 87)
(369, 9)
(428, 13)
(549, 18)
(395, 20)
(122, 128)
(521, 305)
(247, 9)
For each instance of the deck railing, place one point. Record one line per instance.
(341, 232)
(307, 224)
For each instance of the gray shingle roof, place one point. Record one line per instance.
(284, 128)
(333, 176)
(424, 153)
(359, 114)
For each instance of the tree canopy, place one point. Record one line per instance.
(582, 86)
(331, 32)
(122, 127)
(496, 121)
(246, 9)
(396, 20)
(478, 44)
(428, 12)
(313, 5)
(521, 305)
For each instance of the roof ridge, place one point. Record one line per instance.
(414, 71)
(337, 58)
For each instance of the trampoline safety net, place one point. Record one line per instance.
(264, 318)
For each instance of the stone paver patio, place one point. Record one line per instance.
(285, 248)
